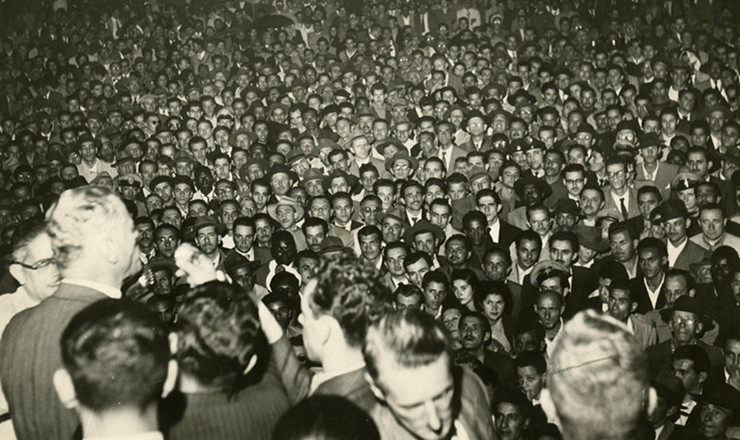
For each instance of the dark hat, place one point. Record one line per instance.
(476, 173)
(649, 140)
(395, 214)
(517, 146)
(132, 180)
(669, 387)
(380, 148)
(736, 178)
(670, 209)
(159, 264)
(423, 226)
(542, 186)
(585, 127)
(295, 155)
(234, 261)
(282, 168)
(630, 125)
(687, 304)
(684, 181)
(206, 220)
(183, 179)
(312, 174)
(565, 205)
(547, 267)
(591, 238)
(721, 394)
(158, 180)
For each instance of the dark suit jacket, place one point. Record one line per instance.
(643, 300)
(353, 386)
(692, 253)
(470, 397)
(660, 357)
(507, 234)
(29, 356)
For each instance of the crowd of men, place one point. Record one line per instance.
(370, 220)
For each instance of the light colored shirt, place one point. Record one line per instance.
(152, 435)
(495, 230)
(675, 251)
(654, 294)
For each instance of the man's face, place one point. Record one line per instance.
(415, 272)
(646, 202)
(182, 194)
(145, 236)
(684, 370)
(370, 246)
(651, 262)
(207, 240)
(283, 250)
(591, 202)
(456, 252)
(676, 229)
(42, 282)
(244, 238)
(434, 295)
(574, 183)
(496, 267)
(510, 422)
(164, 191)
(342, 209)
(528, 253)
(698, 164)
(623, 248)
(563, 252)
(688, 197)
(616, 175)
(476, 231)
(548, 310)
(620, 304)
(167, 242)
(425, 242)
(419, 397)
(684, 327)
(414, 198)
(472, 333)
(712, 224)
(488, 206)
(714, 420)
(394, 262)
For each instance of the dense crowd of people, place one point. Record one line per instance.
(286, 220)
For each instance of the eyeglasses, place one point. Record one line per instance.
(680, 320)
(42, 264)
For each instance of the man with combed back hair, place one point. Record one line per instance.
(94, 244)
(421, 395)
(116, 357)
(598, 379)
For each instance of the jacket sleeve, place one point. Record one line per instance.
(295, 377)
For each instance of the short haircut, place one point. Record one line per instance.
(568, 236)
(498, 250)
(678, 273)
(697, 355)
(79, 211)
(653, 244)
(712, 207)
(435, 276)
(472, 216)
(395, 245)
(317, 416)
(351, 292)
(620, 227)
(599, 348)
(650, 189)
(245, 221)
(487, 192)
(528, 235)
(218, 332)
(532, 359)
(25, 233)
(312, 222)
(414, 257)
(407, 338)
(485, 325)
(367, 231)
(516, 398)
(116, 352)
(625, 286)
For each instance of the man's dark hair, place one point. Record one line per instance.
(695, 354)
(653, 244)
(532, 359)
(415, 257)
(116, 352)
(435, 276)
(568, 236)
(528, 235)
(218, 333)
(311, 222)
(352, 292)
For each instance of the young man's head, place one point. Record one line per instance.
(116, 362)
(410, 369)
(531, 369)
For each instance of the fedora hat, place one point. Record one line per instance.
(423, 226)
(286, 201)
(206, 220)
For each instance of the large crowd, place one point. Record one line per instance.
(448, 220)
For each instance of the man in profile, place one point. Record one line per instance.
(421, 395)
(116, 366)
(93, 267)
(598, 379)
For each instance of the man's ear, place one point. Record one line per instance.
(703, 377)
(64, 388)
(375, 388)
(16, 271)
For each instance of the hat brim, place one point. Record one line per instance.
(298, 211)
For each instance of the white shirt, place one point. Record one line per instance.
(654, 294)
(550, 345)
(617, 201)
(495, 230)
(675, 251)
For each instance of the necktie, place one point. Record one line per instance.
(414, 220)
(623, 207)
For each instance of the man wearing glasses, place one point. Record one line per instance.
(620, 198)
